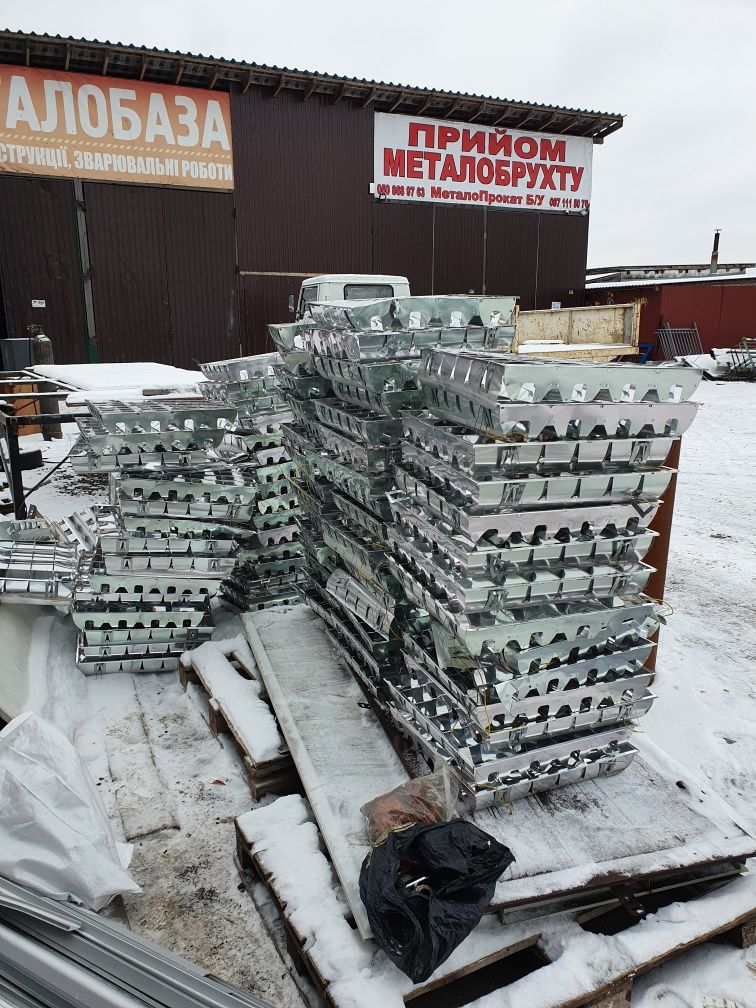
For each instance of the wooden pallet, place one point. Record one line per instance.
(274, 776)
(519, 956)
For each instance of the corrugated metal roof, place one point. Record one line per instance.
(747, 276)
(193, 69)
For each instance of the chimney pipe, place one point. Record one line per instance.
(715, 252)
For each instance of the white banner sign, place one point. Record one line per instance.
(437, 161)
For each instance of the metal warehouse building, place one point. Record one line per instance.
(162, 206)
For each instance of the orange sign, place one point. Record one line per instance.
(81, 126)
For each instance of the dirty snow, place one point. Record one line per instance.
(705, 719)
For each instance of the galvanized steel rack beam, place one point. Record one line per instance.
(162, 415)
(490, 491)
(370, 428)
(473, 453)
(531, 421)
(102, 441)
(491, 379)
(417, 537)
(544, 522)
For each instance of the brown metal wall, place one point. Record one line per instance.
(202, 287)
(163, 279)
(511, 255)
(403, 243)
(562, 257)
(302, 172)
(39, 259)
(459, 250)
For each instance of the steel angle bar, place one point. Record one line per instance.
(390, 403)
(370, 428)
(262, 387)
(271, 456)
(192, 529)
(36, 590)
(355, 513)
(104, 442)
(490, 378)
(170, 563)
(426, 537)
(566, 623)
(620, 660)
(224, 485)
(543, 522)
(165, 545)
(85, 596)
(161, 414)
(408, 344)
(485, 764)
(82, 529)
(390, 376)
(189, 509)
(274, 566)
(88, 463)
(350, 452)
(597, 763)
(303, 386)
(490, 566)
(173, 649)
(356, 664)
(523, 587)
(382, 647)
(473, 453)
(254, 441)
(544, 718)
(351, 543)
(415, 312)
(368, 490)
(91, 665)
(275, 519)
(136, 637)
(373, 605)
(530, 421)
(27, 530)
(241, 368)
(278, 503)
(274, 551)
(342, 634)
(492, 491)
(265, 424)
(122, 615)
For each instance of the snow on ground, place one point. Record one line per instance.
(706, 712)
(149, 748)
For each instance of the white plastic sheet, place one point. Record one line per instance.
(54, 831)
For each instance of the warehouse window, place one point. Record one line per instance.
(365, 292)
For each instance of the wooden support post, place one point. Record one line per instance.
(658, 555)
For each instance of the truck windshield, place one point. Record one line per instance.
(367, 291)
(308, 295)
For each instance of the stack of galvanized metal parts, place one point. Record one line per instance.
(269, 560)
(475, 531)
(521, 515)
(37, 565)
(150, 563)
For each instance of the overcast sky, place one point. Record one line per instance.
(683, 72)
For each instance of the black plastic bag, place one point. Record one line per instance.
(425, 888)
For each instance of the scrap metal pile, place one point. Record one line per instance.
(474, 526)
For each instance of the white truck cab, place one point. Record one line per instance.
(347, 287)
